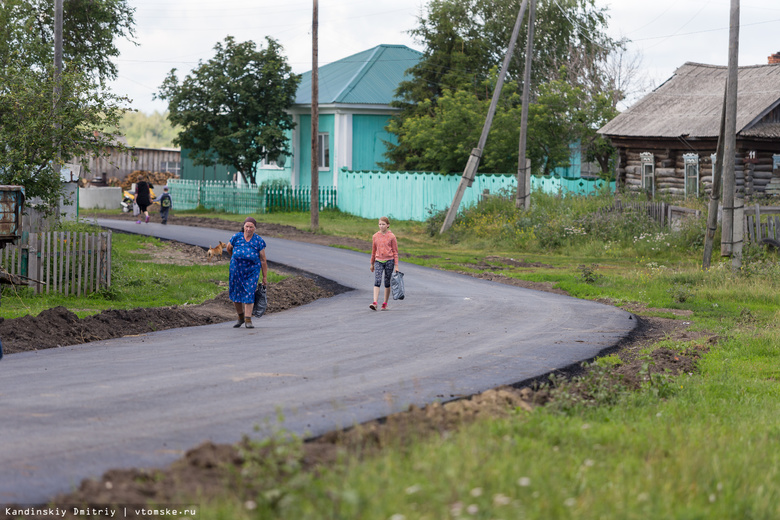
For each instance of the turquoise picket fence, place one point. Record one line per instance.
(231, 198)
(414, 195)
(368, 194)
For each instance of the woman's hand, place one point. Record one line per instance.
(372, 268)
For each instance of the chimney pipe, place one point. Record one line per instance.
(774, 59)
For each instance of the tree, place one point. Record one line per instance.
(232, 108)
(90, 30)
(465, 39)
(147, 130)
(35, 139)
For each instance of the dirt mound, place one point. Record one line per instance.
(58, 327)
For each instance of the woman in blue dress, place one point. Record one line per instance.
(246, 263)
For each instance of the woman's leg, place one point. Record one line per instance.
(240, 311)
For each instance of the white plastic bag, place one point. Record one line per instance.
(397, 285)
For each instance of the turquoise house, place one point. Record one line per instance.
(354, 107)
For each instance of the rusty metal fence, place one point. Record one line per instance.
(70, 263)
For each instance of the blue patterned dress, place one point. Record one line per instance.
(245, 267)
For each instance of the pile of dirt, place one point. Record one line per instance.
(59, 327)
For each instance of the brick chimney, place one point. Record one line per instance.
(774, 59)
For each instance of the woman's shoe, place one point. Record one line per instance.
(248, 323)
(240, 321)
(384, 306)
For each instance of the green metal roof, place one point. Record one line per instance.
(369, 77)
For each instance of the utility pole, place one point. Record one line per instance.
(315, 126)
(57, 55)
(473, 163)
(523, 174)
(727, 242)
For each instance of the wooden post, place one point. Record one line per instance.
(730, 141)
(523, 200)
(315, 125)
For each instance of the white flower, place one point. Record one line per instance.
(524, 482)
(250, 505)
(411, 490)
(476, 492)
(472, 509)
(570, 502)
(501, 500)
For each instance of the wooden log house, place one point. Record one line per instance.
(667, 141)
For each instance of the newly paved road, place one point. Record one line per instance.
(75, 412)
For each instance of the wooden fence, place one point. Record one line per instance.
(665, 214)
(755, 230)
(61, 262)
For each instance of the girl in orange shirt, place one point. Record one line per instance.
(384, 260)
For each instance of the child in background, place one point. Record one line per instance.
(165, 205)
(384, 260)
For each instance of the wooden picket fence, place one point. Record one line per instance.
(62, 262)
(663, 213)
(756, 230)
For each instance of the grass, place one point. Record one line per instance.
(701, 445)
(137, 282)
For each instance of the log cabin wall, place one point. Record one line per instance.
(757, 171)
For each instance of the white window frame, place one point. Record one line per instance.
(691, 162)
(323, 150)
(265, 164)
(648, 172)
(165, 168)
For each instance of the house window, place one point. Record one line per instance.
(323, 148)
(276, 164)
(171, 167)
(691, 161)
(775, 162)
(648, 172)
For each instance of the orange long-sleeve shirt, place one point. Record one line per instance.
(385, 247)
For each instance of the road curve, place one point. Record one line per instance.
(74, 412)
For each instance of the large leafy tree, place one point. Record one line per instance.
(465, 39)
(39, 133)
(90, 30)
(36, 138)
(232, 108)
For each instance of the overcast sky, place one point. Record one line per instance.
(178, 33)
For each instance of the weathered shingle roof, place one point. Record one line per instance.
(368, 77)
(691, 101)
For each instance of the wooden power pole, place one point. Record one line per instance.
(473, 162)
(726, 154)
(523, 173)
(728, 237)
(315, 125)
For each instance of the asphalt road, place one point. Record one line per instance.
(75, 412)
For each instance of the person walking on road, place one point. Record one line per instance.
(247, 260)
(384, 260)
(165, 205)
(144, 199)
